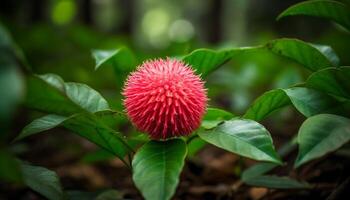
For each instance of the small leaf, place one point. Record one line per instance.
(332, 10)
(157, 166)
(333, 81)
(42, 124)
(266, 104)
(321, 134)
(103, 56)
(43, 181)
(121, 58)
(54, 80)
(276, 182)
(307, 101)
(215, 116)
(243, 137)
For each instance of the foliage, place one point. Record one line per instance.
(323, 99)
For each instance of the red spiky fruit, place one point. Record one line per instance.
(165, 98)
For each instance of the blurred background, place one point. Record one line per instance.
(57, 36)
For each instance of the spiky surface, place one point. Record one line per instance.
(165, 99)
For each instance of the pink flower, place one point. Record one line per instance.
(165, 98)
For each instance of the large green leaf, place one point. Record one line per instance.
(243, 137)
(271, 181)
(157, 166)
(49, 93)
(307, 101)
(86, 97)
(43, 181)
(90, 126)
(321, 134)
(332, 10)
(302, 52)
(205, 61)
(43, 96)
(333, 81)
(215, 116)
(310, 56)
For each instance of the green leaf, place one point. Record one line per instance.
(205, 61)
(215, 116)
(9, 167)
(44, 123)
(321, 134)
(243, 137)
(110, 195)
(262, 168)
(121, 58)
(87, 125)
(266, 104)
(87, 98)
(49, 93)
(310, 102)
(328, 52)
(331, 10)
(257, 170)
(276, 182)
(314, 58)
(307, 101)
(43, 96)
(302, 52)
(157, 166)
(333, 81)
(90, 127)
(54, 80)
(43, 181)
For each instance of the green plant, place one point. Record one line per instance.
(324, 99)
